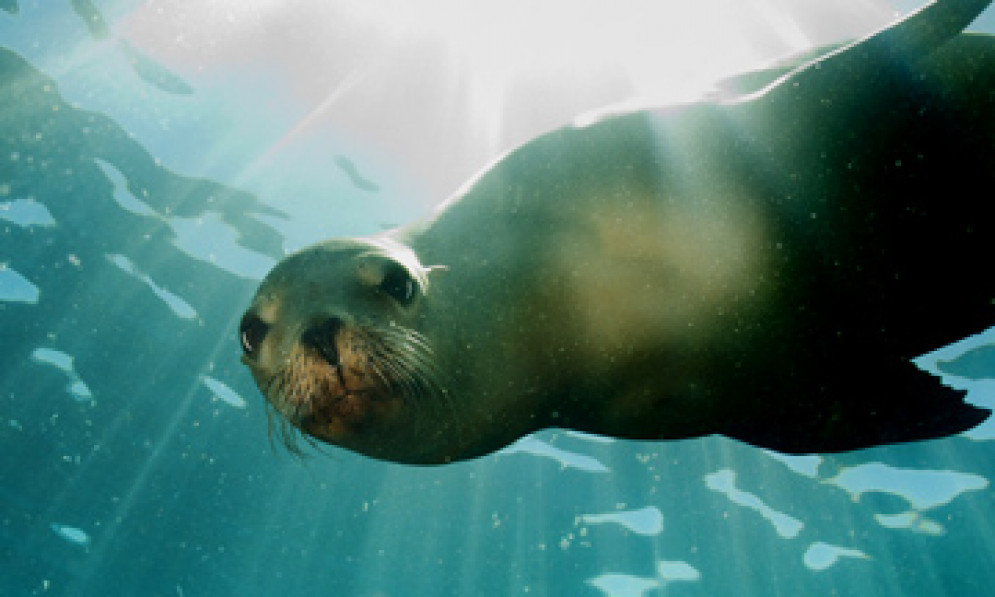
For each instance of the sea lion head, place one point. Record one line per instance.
(331, 340)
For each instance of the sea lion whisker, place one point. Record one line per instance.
(410, 349)
(278, 425)
(412, 339)
(390, 345)
(399, 376)
(392, 378)
(420, 367)
(412, 365)
(269, 423)
(376, 368)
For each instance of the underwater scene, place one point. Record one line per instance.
(159, 157)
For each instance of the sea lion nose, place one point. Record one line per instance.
(321, 337)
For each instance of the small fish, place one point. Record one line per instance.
(154, 73)
(346, 165)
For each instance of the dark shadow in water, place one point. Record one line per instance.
(139, 359)
(10, 6)
(93, 18)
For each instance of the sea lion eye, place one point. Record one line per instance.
(251, 332)
(397, 283)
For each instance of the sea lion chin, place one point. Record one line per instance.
(763, 268)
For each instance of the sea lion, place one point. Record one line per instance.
(763, 267)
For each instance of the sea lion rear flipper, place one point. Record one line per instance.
(916, 35)
(895, 404)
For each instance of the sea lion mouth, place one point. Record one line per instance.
(344, 396)
(325, 412)
(321, 395)
(350, 384)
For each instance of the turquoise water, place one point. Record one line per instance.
(150, 173)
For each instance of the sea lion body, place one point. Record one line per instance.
(762, 268)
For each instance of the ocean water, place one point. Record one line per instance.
(156, 158)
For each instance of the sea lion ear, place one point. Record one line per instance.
(861, 63)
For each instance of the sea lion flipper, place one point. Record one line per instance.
(860, 63)
(884, 405)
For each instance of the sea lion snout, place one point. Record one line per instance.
(322, 337)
